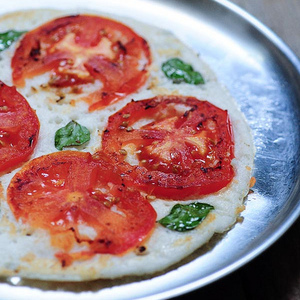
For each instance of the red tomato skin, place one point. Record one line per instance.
(19, 128)
(120, 74)
(162, 182)
(62, 191)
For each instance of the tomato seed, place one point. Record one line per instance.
(123, 152)
(126, 116)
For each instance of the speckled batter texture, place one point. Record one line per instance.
(28, 253)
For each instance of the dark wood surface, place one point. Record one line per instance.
(275, 274)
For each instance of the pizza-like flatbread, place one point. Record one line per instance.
(28, 248)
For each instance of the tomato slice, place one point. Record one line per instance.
(183, 146)
(80, 200)
(19, 128)
(80, 49)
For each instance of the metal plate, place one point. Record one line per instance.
(263, 75)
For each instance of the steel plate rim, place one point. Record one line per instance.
(291, 219)
(270, 34)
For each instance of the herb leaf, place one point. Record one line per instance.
(73, 134)
(179, 71)
(8, 37)
(185, 217)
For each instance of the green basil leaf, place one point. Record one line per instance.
(179, 71)
(185, 217)
(73, 134)
(8, 37)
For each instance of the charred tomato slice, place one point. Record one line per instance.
(80, 201)
(19, 128)
(80, 49)
(172, 146)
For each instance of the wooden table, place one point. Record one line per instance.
(275, 274)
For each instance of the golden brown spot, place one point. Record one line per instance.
(74, 197)
(123, 152)
(169, 52)
(63, 240)
(44, 86)
(33, 89)
(252, 182)
(210, 218)
(61, 96)
(58, 182)
(73, 102)
(183, 241)
(7, 224)
(160, 90)
(240, 209)
(153, 83)
(154, 68)
(28, 257)
(150, 197)
(126, 116)
(28, 230)
(240, 219)
(103, 261)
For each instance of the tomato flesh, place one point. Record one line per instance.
(80, 200)
(184, 148)
(19, 128)
(81, 49)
